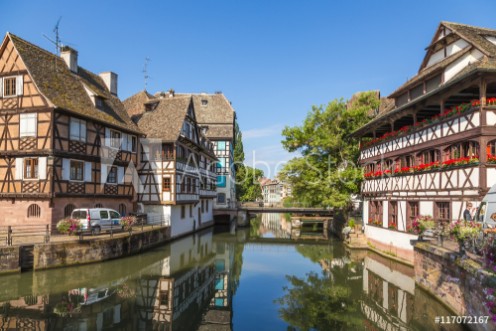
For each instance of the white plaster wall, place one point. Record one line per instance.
(456, 210)
(461, 63)
(207, 216)
(157, 212)
(184, 225)
(490, 118)
(456, 47)
(365, 211)
(385, 206)
(491, 39)
(491, 177)
(436, 57)
(426, 208)
(388, 237)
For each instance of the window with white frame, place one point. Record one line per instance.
(115, 139)
(11, 86)
(78, 129)
(27, 125)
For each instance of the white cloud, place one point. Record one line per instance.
(263, 132)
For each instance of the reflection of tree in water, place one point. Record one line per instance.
(255, 226)
(316, 303)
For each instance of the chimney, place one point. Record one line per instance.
(70, 57)
(172, 93)
(110, 80)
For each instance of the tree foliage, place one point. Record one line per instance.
(247, 184)
(327, 173)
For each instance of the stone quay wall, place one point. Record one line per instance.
(9, 259)
(63, 254)
(459, 283)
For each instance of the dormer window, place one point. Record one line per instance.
(98, 102)
(204, 102)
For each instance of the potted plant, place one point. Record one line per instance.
(68, 226)
(464, 231)
(127, 223)
(421, 224)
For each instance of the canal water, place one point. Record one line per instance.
(271, 276)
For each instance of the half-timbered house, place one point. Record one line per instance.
(65, 137)
(177, 166)
(431, 148)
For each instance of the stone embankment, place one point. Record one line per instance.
(76, 252)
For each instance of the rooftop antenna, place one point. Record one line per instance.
(145, 71)
(57, 41)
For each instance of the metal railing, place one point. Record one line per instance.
(42, 233)
(32, 233)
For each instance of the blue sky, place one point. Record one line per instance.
(272, 59)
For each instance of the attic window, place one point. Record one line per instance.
(11, 86)
(98, 102)
(204, 102)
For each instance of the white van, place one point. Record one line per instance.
(486, 213)
(97, 220)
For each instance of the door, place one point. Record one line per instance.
(199, 216)
(115, 218)
(104, 220)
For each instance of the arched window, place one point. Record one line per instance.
(122, 209)
(68, 210)
(34, 211)
(98, 205)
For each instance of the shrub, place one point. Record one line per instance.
(127, 222)
(351, 222)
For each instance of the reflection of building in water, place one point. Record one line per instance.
(218, 316)
(177, 289)
(272, 226)
(25, 313)
(392, 302)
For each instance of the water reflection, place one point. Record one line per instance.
(264, 277)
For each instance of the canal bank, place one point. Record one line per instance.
(74, 251)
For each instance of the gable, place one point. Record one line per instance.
(12, 65)
(444, 44)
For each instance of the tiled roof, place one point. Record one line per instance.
(135, 105)
(166, 119)
(213, 108)
(64, 89)
(475, 36)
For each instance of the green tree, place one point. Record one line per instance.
(239, 152)
(326, 173)
(248, 186)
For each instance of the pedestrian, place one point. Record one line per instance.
(467, 213)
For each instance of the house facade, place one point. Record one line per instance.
(217, 118)
(177, 179)
(272, 191)
(430, 148)
(66, 139)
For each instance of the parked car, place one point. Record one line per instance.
(97, 220)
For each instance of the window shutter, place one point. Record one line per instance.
(124, 146)
(107, 137)
(130, 143)
(20, 85)
(120, 175)
(74, 129)
(1, 87)
(66, 169)
(42, 167)
(19, 168)
(87, 171)
(83, 131)
(103, 173)
(23, 130)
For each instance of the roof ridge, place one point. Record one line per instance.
(468, 26)
(33, 45)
